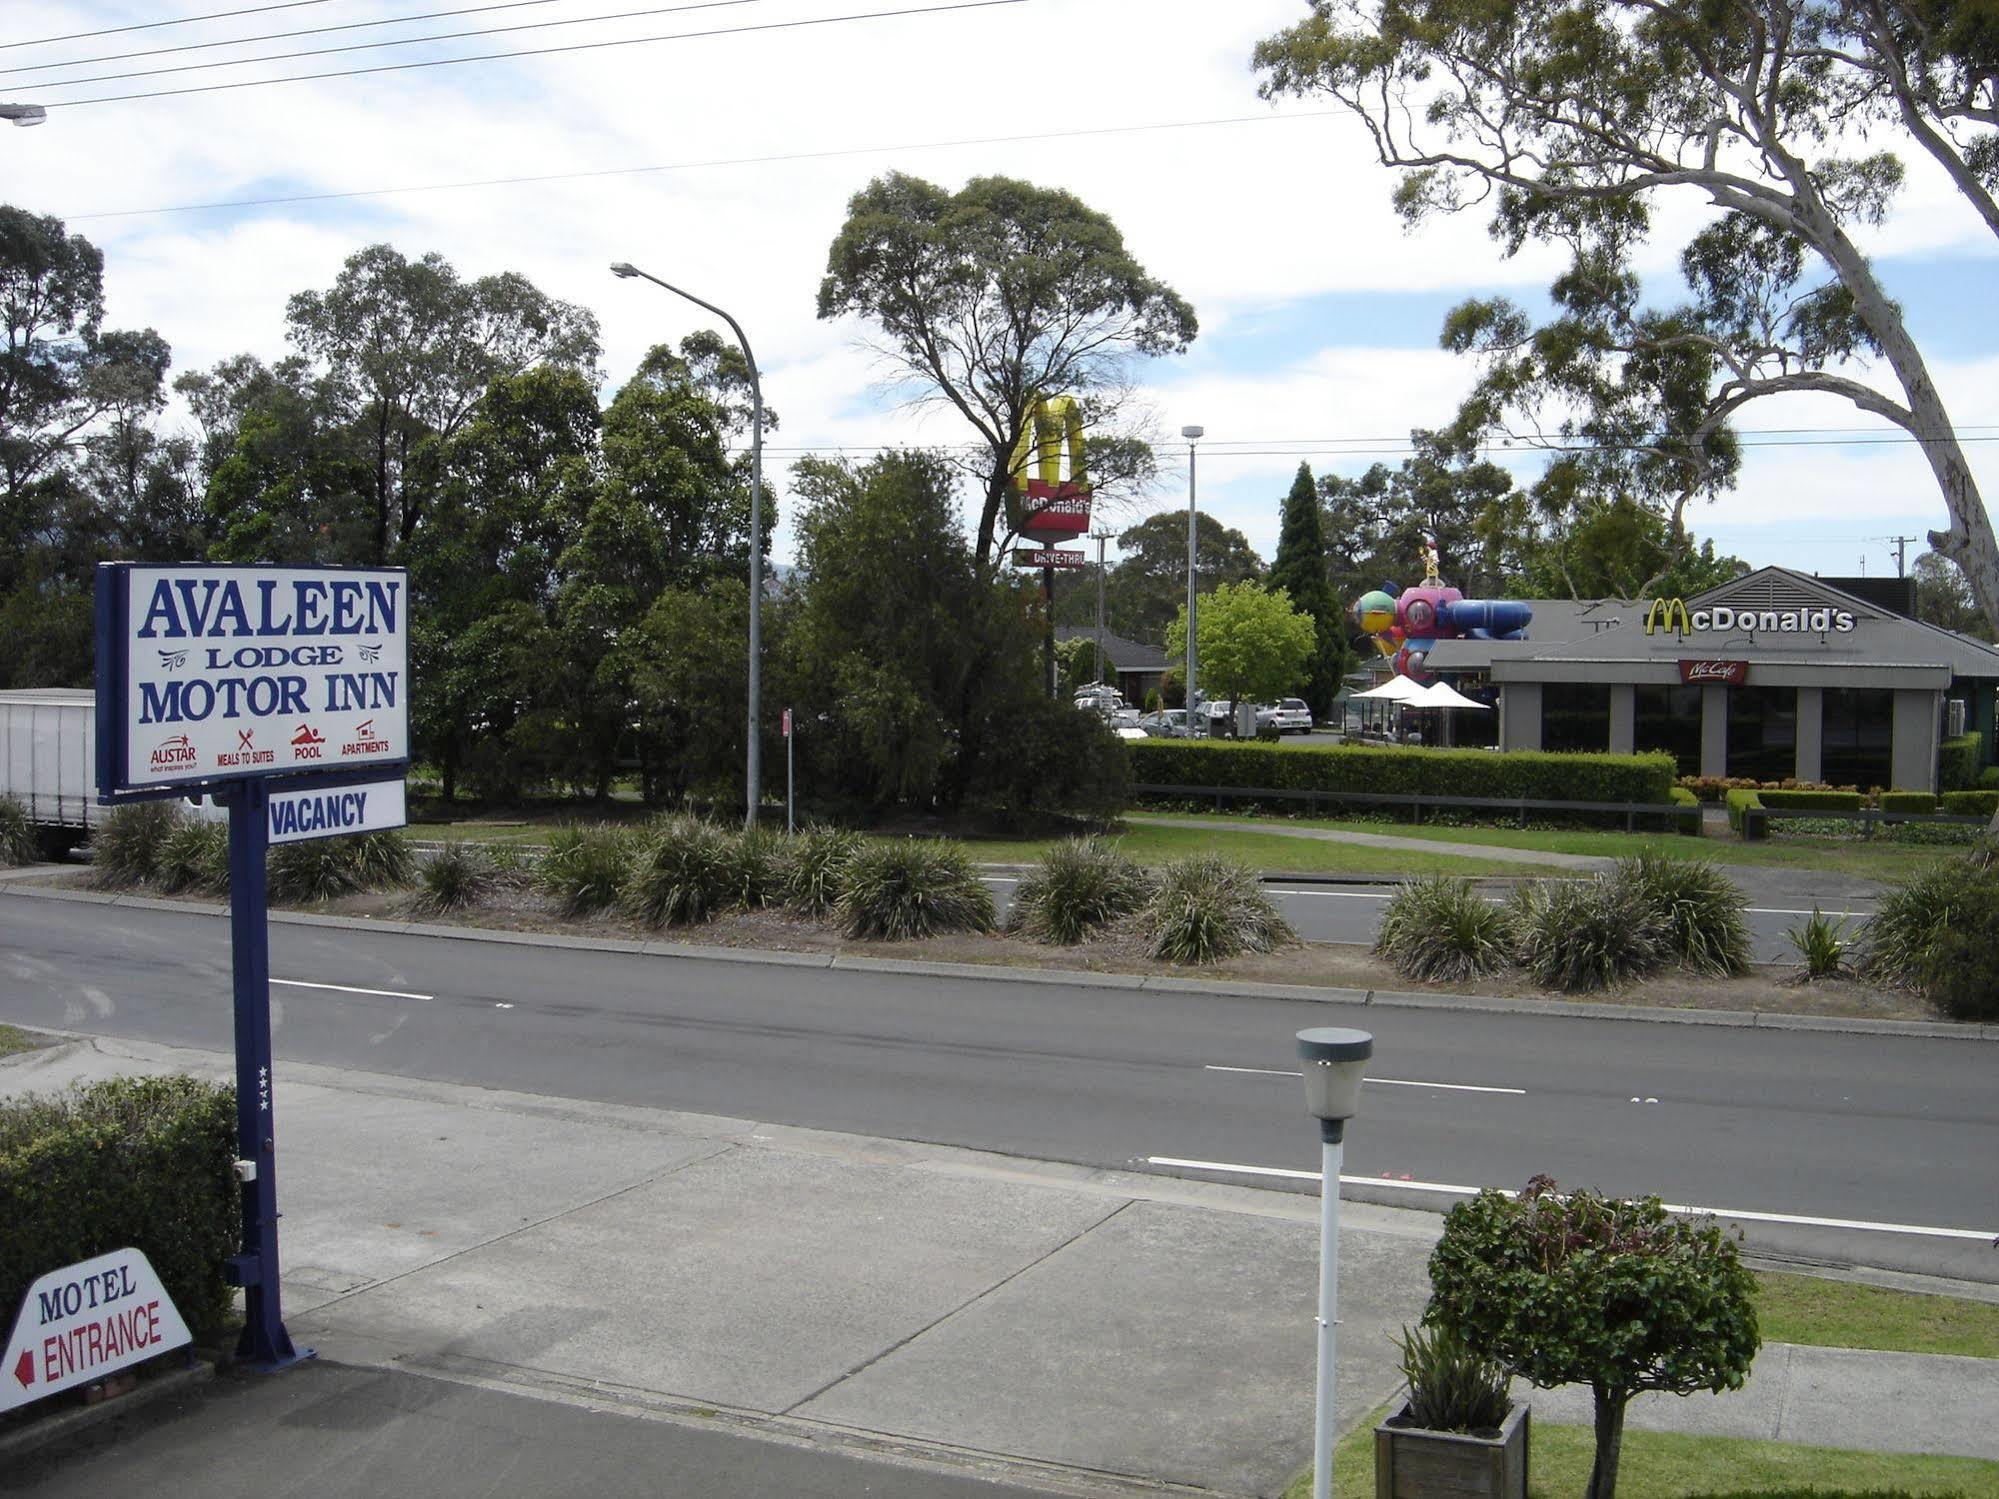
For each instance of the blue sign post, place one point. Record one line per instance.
(245, 683)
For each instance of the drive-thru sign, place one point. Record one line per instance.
(85, 1321)
(282, 693)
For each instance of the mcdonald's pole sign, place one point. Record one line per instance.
(1048, 508)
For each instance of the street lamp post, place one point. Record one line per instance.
(23, 114)
(1334, 1060)
(754, 790)
(1193, 435)
(1100, 537)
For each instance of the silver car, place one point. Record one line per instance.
(1292, 716)
(1167, 723)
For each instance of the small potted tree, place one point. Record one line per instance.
(1617, 1294)
(1459, 1433)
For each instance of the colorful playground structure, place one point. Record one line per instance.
(1405, 623)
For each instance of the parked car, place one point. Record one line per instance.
(1167, 723)
(1292, 716)
(1221, 713)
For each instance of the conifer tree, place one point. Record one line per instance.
(1301, 570)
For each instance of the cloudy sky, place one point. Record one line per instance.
(716, 145)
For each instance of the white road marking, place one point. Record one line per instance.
(1341, 894)
(1742, 1214)
(351, 989)
(1783, 911)
(1386, 1082)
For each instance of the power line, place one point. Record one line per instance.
(690, 166)
(446, 62)
(220, 15)
(405, 41)
(273, 36)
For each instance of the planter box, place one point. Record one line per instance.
(1411, 1462)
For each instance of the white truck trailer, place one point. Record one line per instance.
(48, 759)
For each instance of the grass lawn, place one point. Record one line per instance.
(13, 1039)
(1841, 1314)
(1660, 1465)
(1156, 845)
(1847, 856)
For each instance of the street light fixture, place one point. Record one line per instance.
(1193, 435)
(1334, 1061)
(24, 114)
(754, 790)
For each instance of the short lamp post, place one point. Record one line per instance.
(1334, 1060)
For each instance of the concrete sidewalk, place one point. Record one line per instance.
(1058, 1327)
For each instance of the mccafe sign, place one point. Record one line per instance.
(1672, 614)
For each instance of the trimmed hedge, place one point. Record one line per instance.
(1908, 801)
(1739, 802)
(1689, 827)
(1393, 771)
(1815, 801)
(1958, 760)
(143, 1162)
(1970, 803)
(1988, 778)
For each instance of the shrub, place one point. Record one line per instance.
(754, 866)
(381, 861)
(679, 875)
(908, 887)
(1814, 801)
(1739, 802)
(1909, 918)
(1697, 909)
(1616, 1294)
(18, 844)
(125, 848)
(1442, 928)
(513, 866)
(138, 1161)
(1822, 945)
(315, 870)
(1207, 909)
(1331, 769)
(1687, 827)
(814, 870)
(1079, 885)
(1969, 803)
(195, 857)
(1586, 935)
(1908, 801)
(1043, 756)
(584, 867)
(1451, 1388)
(1988, 778)
(1960, 974)
(1957, 762)
(458, 875)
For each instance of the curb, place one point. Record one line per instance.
(1079, 978)
(60, 1425)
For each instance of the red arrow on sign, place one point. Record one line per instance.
(24, 1369)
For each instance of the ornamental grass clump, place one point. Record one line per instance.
(125, 848)
(898, 889)
(1821, 944)
(17, 835)
(1583, 935)
(1909, 919)
(754, 865)
(1080, 885)
(1451, 1386)
(315, 870)
(1207, 909)
(194, 859)
(457, 876)
(1960, 973)
(682, 873)
(1697, 909)
(1440, 928)
(584, 868)
(814, 868)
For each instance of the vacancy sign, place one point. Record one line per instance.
(299, 815)
(212, 673)
(86, 1321)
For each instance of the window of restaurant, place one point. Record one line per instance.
(1858, 743)
(1575, 716)
(1763, 732)
(1669, 719)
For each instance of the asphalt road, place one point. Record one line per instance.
(1883, 1130)
(1350, 913)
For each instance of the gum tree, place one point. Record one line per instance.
(1572, 119)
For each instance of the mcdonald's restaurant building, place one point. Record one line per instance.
(1771, 675)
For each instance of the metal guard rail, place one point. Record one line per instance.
(1521, 805)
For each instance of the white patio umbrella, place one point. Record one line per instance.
(1397, 689)
(1442, 695)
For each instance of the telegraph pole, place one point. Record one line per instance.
(1901, 546)
(1100, 537)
